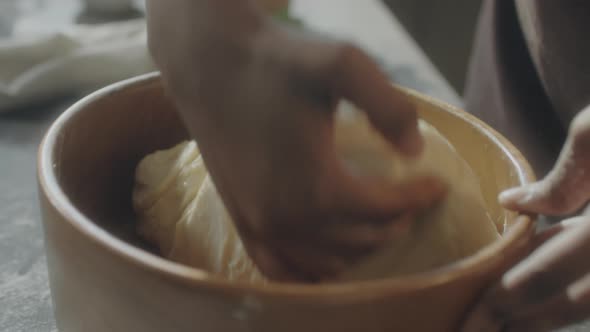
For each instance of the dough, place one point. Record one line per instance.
(180, 211)
(457, 228)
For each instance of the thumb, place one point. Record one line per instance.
(359, 79)
(567, 187)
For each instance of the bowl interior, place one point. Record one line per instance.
(496, 162)
(106, 135)
(99, 146)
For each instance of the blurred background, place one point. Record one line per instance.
(35, 31)
(444, 30)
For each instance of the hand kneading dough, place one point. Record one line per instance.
(179, 209)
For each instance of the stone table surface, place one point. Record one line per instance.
(25, 300)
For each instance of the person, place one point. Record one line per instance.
(530, 79)
(259, 98)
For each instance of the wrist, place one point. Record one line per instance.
(233, 19)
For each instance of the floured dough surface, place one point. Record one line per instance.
(180, 211)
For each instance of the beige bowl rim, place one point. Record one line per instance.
(195, 278)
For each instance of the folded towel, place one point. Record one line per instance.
(73, 59)
(45, 54)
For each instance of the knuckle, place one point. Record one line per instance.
(345, 53)
(550, 196)
(558, 201)
(565, 199)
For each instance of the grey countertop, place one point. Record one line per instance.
(25, 302)
(24, 293)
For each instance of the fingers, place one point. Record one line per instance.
(365, 236)
(572, 305)
(554, 230)
(557, 263)
(297, 260)
(329, 249)
(567, 187)
(323, 246)
(268, 262)
(537, 281)
(356, 77)
(381, 200)
(555, 313)
(364, 198)
(308, 264)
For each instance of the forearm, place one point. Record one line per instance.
(202, 19)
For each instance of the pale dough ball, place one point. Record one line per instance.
(457, 228)
(180, 211)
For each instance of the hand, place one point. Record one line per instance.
(550, 288)
(260, 99)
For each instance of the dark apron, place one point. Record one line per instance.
(530, 105)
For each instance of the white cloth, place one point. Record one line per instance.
(76, 58)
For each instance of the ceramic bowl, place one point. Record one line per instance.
(104, 278)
